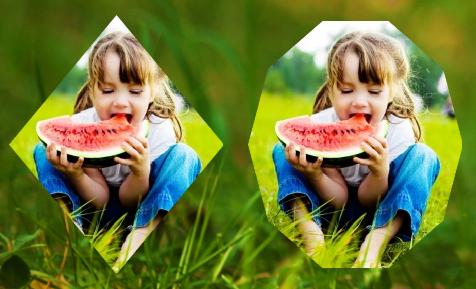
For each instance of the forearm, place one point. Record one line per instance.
(90, 190)
(133, 189)
(372, 189)
(329, 190)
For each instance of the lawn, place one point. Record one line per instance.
(439, 132)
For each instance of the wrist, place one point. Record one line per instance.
(381, 174)
(75, 175)
(314, 175)
(141, 173)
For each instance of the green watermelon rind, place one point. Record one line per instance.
(103, 158)
(342, 158)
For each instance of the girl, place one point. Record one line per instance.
(123, 78)
(366, 73)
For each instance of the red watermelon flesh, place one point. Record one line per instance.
(326, 137)
(87, 137)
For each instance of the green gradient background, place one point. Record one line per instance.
(217, 54)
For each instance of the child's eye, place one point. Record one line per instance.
(345, 90)
(375, 91)
(136, 91)
(107, 90)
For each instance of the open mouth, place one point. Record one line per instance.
(127, 115)
(368, 116)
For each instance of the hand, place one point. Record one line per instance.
(61, 162)
(138, 162)
(378, 162)
(301, 164)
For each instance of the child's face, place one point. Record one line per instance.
(114, 96)
(353, 96)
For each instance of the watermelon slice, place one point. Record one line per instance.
(97, 142)
(337, 143)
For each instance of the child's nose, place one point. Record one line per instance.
(120, 100)
(360, 100)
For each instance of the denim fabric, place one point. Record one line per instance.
(170, 176)
(293, 185)
(55, 182)
(411, 177)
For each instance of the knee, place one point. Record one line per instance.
(186, 157)
(426, 157)
(426, 154)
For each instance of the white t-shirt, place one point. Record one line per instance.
(399, 137)
(161, 137)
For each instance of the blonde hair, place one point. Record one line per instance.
(136, 66)
(382, 60)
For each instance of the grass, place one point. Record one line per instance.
(439, 132)
(195, 133)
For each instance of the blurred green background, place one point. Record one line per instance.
(217, 53)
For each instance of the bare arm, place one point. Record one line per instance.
(328, 183)
(88, 183)
(91, 186)
(133, 189)
(372, 189)
(331, 187)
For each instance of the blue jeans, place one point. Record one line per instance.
(411, 176)
(170, 176)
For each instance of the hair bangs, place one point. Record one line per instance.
(374, 67)
(134, 67)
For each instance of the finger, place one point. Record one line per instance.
(302, 157)
(369, 150)
(360, 161)
(318, 163)
(52, 154)
(122, 161)
(130, 150)
(286, 151)
(48, 151)
(382, 140)
(78, 163)
(375, 144)
(63, 157)
(292, 158)
(143, 141)
(136, 144)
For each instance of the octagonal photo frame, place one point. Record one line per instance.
(343, 234)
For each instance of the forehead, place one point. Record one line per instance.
(361, 67)
(350, 65)
(111, 65)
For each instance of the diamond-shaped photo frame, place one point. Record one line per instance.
(176, 146)
(336, 230)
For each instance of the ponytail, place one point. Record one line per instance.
(323, 100)
(83, 98)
